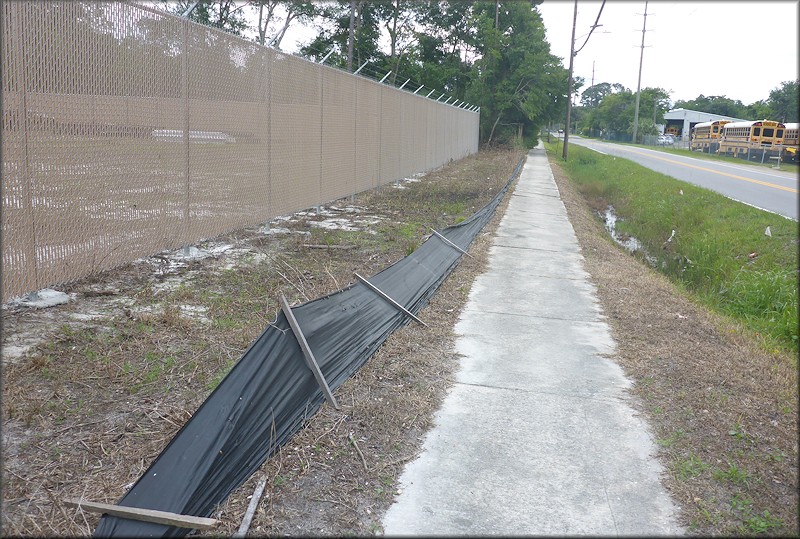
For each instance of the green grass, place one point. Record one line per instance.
(791, 167)
(691, 467)
(720, 252)
(733, 473)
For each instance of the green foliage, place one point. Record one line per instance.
(691, 467)
(491, 54)
(719, 251)
(714, 104)
(762, 523)
(223, 14)
(733, 473)
(613, 117)
(517, 82)
(782, 105)
(784, 102)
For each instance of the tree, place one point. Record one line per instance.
(227, 15)
(517, 82)
(591, 119)
(269, 15)
(614, 116)
(759, 110)
(333, 26)
(714, 104)
(783, 102)
(593, 95)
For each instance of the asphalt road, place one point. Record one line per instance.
(766, 188)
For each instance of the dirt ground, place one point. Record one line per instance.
(87, 406)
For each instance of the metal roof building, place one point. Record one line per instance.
(685, 119)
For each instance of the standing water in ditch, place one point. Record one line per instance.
(629, 243)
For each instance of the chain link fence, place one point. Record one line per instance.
(128, 131)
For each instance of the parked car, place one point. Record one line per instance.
(665, 140)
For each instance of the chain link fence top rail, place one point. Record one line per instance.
(128, 131)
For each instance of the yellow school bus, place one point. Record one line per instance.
(789, 154)
(745, 139)
(705, 136)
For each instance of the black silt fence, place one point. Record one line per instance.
(270, 392)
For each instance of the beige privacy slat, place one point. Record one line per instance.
(127, 131)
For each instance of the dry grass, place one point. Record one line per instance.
(113, 375)
(87, 409)
(724, 411)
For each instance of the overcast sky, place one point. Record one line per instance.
(738, 49)
(741, 50)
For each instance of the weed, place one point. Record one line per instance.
(691, 467)
(706, 515)
(777, 455)
(762, 523)
(672, 438)
(741, 503)
(734, 474)
(738, 431)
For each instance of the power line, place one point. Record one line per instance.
(595, 25)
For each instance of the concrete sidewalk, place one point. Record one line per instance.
(537, 436)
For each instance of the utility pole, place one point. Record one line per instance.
(569, 81)
(639, 84)
(592, 72)
(572, 54)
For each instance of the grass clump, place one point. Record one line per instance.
(720, 249)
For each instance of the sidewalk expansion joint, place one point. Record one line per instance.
(534, 195)
(597, 398)
(521, 271)
(532, 248)
(599, 320)
(521, 210)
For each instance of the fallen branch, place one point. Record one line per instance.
(360, 454)
(317, 246)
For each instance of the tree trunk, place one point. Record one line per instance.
(351, 36)
(393, 41)
(262, 30)
(491, 133)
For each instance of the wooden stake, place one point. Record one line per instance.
(450, 243)
(251, 509)
(310, 361)
(387, 298)
(146, 515)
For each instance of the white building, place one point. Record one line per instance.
(685, 119)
